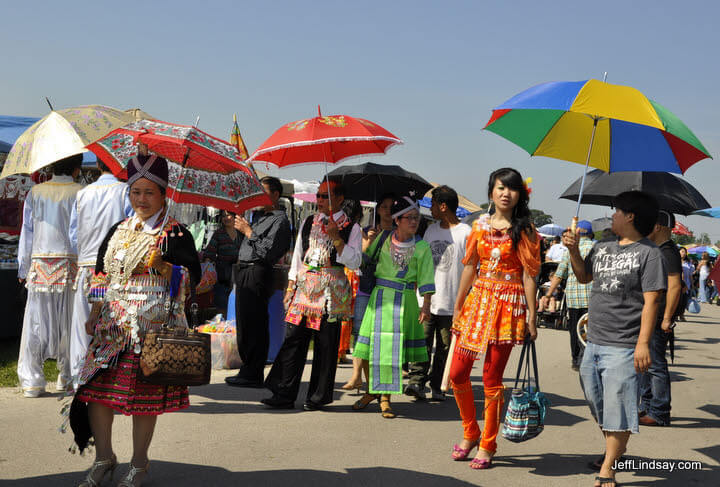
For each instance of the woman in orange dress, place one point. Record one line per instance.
(495, 307)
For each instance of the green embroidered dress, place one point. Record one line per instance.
(391, 333)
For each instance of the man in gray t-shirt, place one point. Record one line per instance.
(620, 276)
(628, 278)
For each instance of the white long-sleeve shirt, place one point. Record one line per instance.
(351, 256)
(46, 222)
(98, 207)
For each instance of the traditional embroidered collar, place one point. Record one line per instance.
(151, 225)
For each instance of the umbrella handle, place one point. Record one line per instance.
(573, 224)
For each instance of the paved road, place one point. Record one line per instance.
(227, 438)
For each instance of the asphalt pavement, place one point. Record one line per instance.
(227, 437)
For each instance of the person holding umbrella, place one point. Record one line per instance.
(628, 277)
(495, 307)
(318, 298)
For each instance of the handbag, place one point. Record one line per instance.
(175, 355)
(525, 416)
(693, 306)
(369, 264)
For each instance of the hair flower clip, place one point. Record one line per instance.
(527, 185)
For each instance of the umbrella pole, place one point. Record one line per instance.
(171, 203)
(582, 184)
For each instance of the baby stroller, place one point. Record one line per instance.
(551, 317)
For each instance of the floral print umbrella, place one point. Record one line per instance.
(60, 134)
(203, 169)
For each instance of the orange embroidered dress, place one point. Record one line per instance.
(494, 310)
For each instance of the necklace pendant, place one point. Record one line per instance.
(495, 253)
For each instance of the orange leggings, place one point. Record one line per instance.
(496, 358)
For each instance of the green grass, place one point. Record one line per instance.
(8, 364)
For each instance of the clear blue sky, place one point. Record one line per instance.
(428, 71)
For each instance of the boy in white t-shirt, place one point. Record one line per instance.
(447, 238)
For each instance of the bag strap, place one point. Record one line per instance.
(520, 368)
(535, 367)
(385, 234)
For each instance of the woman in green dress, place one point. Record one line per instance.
(392, 332)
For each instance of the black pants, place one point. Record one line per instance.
(286, 373)
(576, 348)
(252, 293)
(437, 330)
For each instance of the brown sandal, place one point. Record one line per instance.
(387, 412)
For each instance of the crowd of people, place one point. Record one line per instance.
(123, 268)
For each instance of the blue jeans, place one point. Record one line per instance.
(610, 384)
(655, 383)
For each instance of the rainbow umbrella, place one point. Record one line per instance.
(609, 127)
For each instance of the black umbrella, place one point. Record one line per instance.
(369, 181)
(673, 194)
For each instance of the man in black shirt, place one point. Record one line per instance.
(655, 383)
(263, 242)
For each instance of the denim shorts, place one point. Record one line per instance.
(611, 386)
(361, 302)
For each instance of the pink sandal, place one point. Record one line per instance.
(459, 454)
(481, 463)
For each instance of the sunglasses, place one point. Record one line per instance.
(321, 196)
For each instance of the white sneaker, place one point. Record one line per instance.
(33, 391)
(62, 385)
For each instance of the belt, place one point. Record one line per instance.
(399, 286)
(245, 265)
(501, 276)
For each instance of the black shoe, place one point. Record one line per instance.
(312, 406)
(575, 367)
(277, 402)
(416, 391)
(437, 395)
(238, 381)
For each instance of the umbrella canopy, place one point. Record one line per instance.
(60, 134)
(711, 212)
(672, 193)
(324, 139)
(609, 127)
(461, 212)
(203, 170)
(551, 229)
(680, 229)
(633, 133)
(369, 181)
(701, 249)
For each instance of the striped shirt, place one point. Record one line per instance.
(576, 294)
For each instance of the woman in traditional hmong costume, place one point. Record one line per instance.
(142, 275)
(495, 307)
(391, 332)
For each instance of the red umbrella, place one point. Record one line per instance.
(324, 139)
(203, 169)
(680, 229)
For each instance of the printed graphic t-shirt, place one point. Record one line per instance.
(621, 274)
(448, 250)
